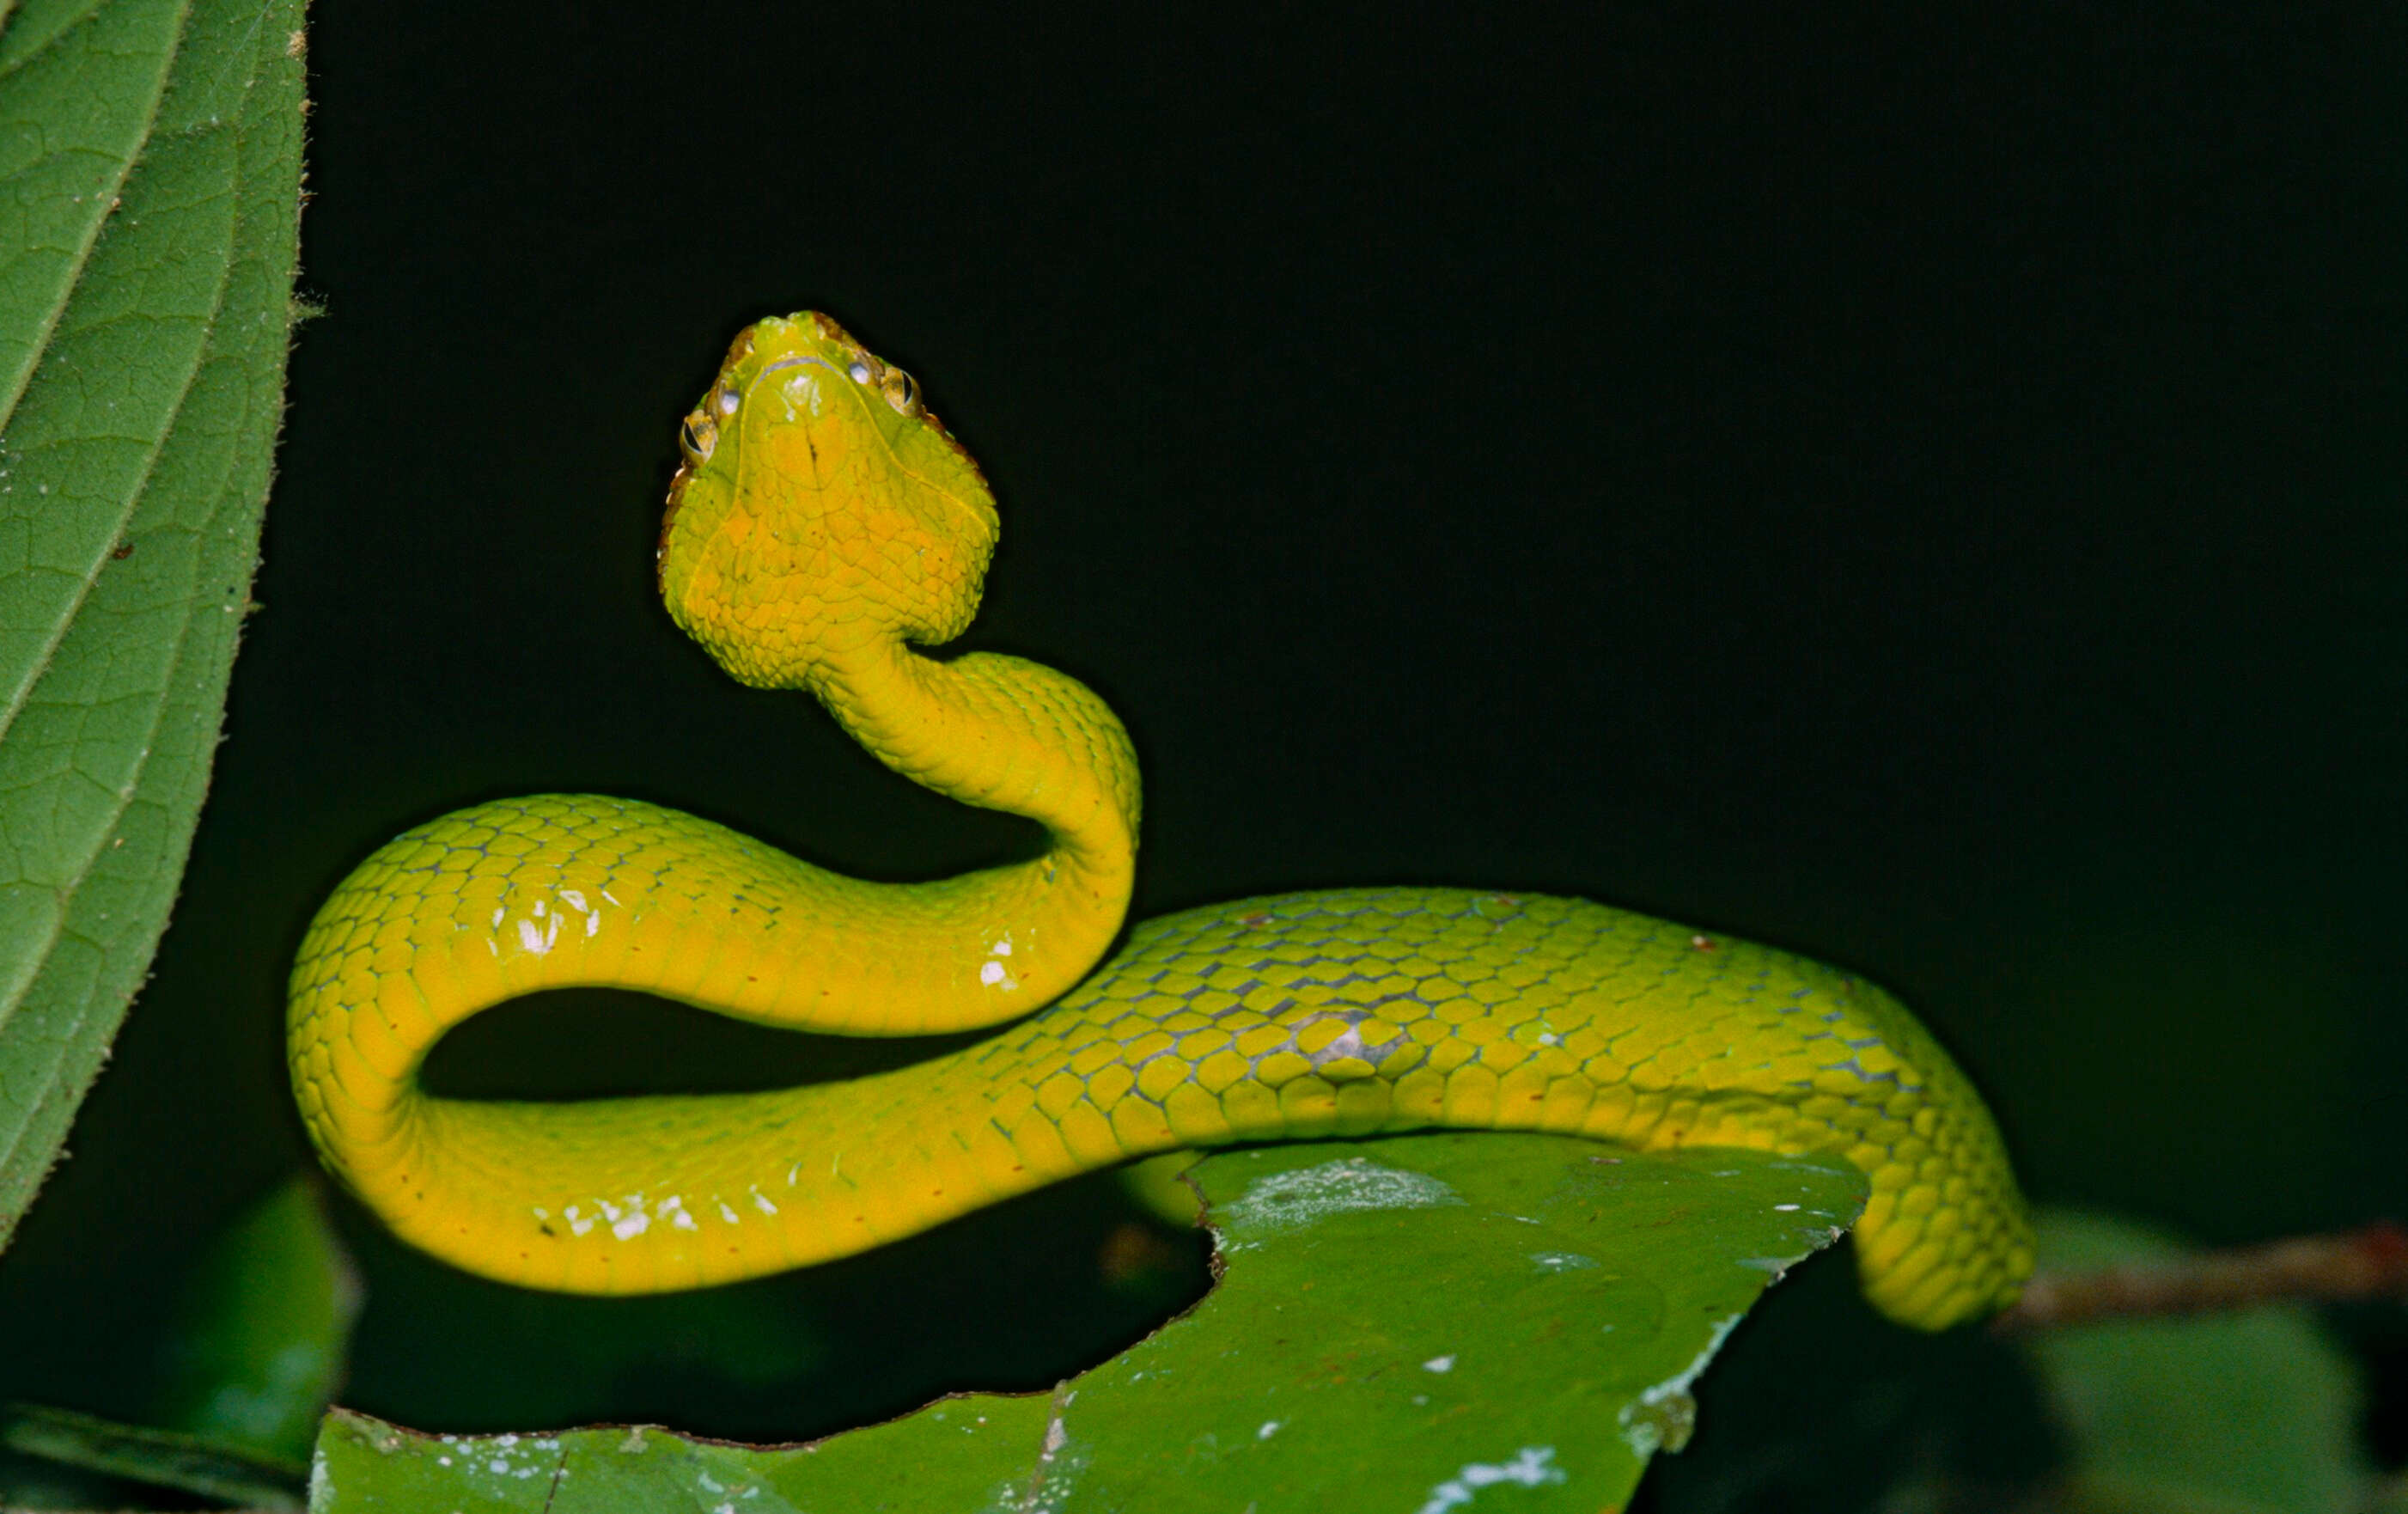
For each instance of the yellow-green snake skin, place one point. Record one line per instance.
(823, 521)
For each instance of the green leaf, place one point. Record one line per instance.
(150, 173)
(1425, 1324)
(258, 1346)
(2246, 1413)
(161, 1458)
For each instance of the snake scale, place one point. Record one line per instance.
(823, 525)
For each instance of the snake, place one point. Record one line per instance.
(824, 531)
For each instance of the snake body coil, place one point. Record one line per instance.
(824, 519)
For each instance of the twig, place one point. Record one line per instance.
(2360, 1264)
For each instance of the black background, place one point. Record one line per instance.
(1925, 491)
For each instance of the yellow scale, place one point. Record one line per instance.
(823, 524)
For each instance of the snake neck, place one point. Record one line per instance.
(1004, 733)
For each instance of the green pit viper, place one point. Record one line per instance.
(823, 525)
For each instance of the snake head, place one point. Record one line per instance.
(820, 508)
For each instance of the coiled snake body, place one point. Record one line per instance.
(823, 521)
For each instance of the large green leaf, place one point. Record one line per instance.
(150, 181)
(1419, 1324)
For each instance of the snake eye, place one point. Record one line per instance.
(860, 371)
(726, 400)
(696, 439)
(900, 391)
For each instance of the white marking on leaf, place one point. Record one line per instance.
(1661, 1417)
(1291, 1200)
(1531, 1468)
(1561, 1261)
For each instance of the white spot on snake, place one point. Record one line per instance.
(1288, 1200)
(793, 1172)
(539, 909)
(1270, 1428)
(1002, 949)
(1785, 1208)
(577, 1224)
(1529, 1469)
(991, 973)
(633, 1226)
(551, 932)
(1439, 1364)
(573, 900)
(531, 938)
(613, 898)
(761, 1202)
(498, 913)
(593, 923)
(728, 1213)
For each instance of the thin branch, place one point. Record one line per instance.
(2356, 1265)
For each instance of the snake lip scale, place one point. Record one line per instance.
(823, 524)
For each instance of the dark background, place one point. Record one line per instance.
(1923, 491)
